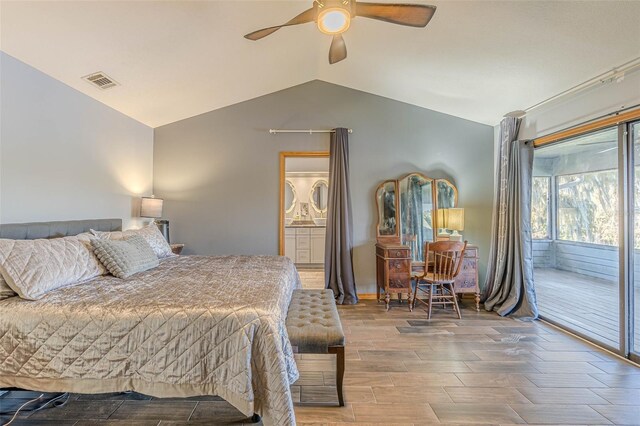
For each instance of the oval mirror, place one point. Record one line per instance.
(320, 195)
(289, 197)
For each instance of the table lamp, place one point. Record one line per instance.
(152, 207)
(454, 220)
(442, 230)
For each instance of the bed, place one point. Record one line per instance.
(194, 325)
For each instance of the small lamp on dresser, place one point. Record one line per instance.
(151, 207)
(454, 220)
(443, 235)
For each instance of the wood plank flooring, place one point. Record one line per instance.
(402, 369)
(584, 304)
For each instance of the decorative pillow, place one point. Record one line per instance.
(124, 258)
(150, 233)
(32, 268)
(5, 291)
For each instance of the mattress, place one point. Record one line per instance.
(192, 326)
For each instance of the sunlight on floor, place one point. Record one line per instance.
(312, 278)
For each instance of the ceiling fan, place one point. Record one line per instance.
(333, 17)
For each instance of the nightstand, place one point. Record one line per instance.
(177, 248)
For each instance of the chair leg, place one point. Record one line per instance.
(455, 302)
(430, 301)
(339, 351)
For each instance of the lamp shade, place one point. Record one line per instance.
(454, 219)
(440, 218)
(151, 207)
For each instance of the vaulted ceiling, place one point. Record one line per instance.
(173, 60)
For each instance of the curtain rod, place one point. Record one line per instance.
(613, 118)
(616, 74)
(310, 131)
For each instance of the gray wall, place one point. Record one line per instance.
(218, 171)
(64, 155)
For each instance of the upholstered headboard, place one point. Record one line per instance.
(35, 230)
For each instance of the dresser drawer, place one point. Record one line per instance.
(399, 266)
(302, 231)
(471, 252)
(469, 265)
(398, 253)
(303, 242)
(466, 283)
(303, 256)
(399, 281)
(318, 231)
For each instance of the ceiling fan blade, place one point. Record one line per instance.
(303, 18)
(338, 49)
(412, 15)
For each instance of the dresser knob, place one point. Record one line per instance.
(398, 253)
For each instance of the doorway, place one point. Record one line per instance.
(304, 190)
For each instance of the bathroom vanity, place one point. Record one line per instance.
(304, 244)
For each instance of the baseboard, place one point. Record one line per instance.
(367, 296)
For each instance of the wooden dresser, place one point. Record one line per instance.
(467, 280)
(394, 268)
(393, 271)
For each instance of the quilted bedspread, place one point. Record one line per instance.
(192, 326)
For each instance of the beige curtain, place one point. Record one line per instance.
(509, 287)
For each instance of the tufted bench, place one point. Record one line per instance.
(313, 325)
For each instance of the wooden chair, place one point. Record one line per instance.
(444, 260)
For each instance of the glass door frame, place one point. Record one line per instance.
(626, 136)
(626, 218)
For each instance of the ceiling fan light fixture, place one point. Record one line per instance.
(334, 20)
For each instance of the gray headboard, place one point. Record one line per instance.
(35, 230)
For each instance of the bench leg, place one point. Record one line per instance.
(339, 351)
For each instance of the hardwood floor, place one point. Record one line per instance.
(404, 370)
(311, 278)
(581, 303)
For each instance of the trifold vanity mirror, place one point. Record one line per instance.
(410, 212)
(406, 210)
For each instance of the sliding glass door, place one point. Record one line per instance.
(575, 226)
(586, 236)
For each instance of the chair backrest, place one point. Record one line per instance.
(446, 257)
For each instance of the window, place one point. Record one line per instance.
(540, 197)
(588, 207)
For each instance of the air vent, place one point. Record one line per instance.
(100, 80)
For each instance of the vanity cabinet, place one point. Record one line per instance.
(467, 279)
(304, 245)
(317, 244)
(393, 271)
(290, 243)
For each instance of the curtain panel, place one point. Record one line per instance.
(338, 264)
(509, 287)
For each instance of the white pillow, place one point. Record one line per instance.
(150, 233)
(32, 268)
